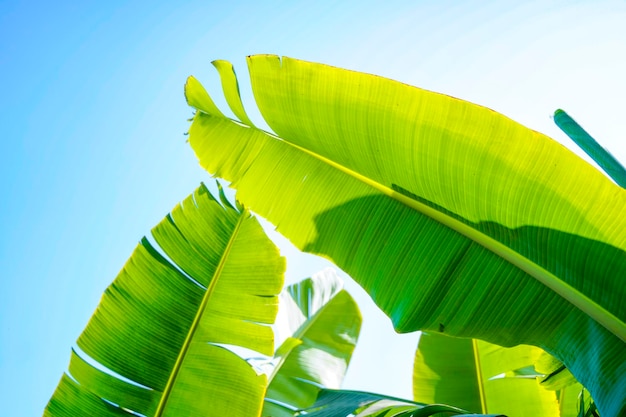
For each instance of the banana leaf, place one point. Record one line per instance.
(344, 403)
(454, 218)
(574, 399)
(156, 343)
(321, 322)
(476, 375)
(481, 377)
(555, 375)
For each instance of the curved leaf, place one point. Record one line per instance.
(452, 216)
(300, 302)
(154, 337)
(322, 322)
(480, 377)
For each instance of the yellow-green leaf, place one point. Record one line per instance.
(449, 214)
(213, 279)
(480, 377)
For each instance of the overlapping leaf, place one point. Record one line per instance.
(454, 218)
(480, 377)
(574, 399)
(321, 322)
(336, 403)
(160, 323)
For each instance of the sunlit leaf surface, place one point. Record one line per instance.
(480, 377)
(321, 322)
(453, 217)
(212, 278)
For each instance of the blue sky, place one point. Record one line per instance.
(92, 117)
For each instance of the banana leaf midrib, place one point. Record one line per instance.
(479, 377)
(205, 299)
(601, 315)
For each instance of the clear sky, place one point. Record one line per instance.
(92, 117)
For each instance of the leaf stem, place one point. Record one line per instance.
(587, 143)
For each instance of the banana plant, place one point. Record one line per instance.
(320, 323)
(454, 218)
(211, 279)
(155, 345)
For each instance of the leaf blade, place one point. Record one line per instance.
(323, 328)
(479, 377)
(159, 321)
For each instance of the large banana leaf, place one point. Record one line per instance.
(159, 324)
(480, 377)
(453, 217)
(322, 324)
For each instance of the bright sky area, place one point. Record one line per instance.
(92, 117)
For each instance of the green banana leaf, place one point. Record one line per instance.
(452, 217)
(570, 401)
(556, 375)
(156, 336)
(322, 324)
(344, 403)
(480, 377)
(569, 391)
